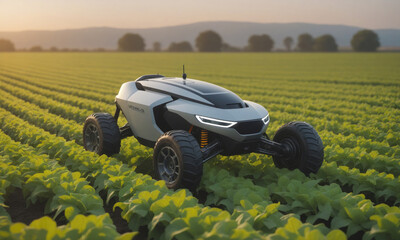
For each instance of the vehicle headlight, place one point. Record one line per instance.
(215, 122)
(265, 119)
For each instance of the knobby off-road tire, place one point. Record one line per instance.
(178, 160)
(307, 149)
(101, 134)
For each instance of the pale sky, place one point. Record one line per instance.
(17, 15)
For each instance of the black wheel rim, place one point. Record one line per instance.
(92, 138)
(168, 165)
(293, 153)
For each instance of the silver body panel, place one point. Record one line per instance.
(138, 105)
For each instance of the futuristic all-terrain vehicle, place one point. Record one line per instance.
(188, 122)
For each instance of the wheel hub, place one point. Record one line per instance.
(92, 138)
(291, 152)
(168, 165)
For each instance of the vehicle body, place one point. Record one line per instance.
(188, 122)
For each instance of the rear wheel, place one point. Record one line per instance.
(101, 134)
(178, 160)
(304, 146)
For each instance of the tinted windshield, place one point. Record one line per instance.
(218, 96)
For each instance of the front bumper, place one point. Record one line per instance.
(250, 121)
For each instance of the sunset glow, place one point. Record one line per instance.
(63, 14)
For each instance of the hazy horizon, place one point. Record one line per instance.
(63, 14)
(174, 25)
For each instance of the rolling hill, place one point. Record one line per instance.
(233, 33)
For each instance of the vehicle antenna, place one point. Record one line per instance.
(184, 74)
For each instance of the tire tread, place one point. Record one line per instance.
(314, 149)
(110, 134)
(192, 157)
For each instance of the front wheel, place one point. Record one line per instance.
(178, 160)
(304, 146)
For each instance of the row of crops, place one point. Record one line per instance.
(352, 100)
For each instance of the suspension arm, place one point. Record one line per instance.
(117, 110)
(271, 148)
(211, 150)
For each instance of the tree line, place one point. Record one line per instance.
(211, 41)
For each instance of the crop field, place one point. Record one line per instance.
(51, 187)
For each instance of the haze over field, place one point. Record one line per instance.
(95, 24)
(233, 33)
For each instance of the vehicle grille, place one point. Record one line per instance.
(249, 127)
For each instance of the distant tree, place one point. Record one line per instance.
(131, 42)
(180, 47)
(305, 42)
(36, 49)
(157, 47)
(53, 49)
(228, 48)
(325, 43)
(6, 46)
(260, 43)
(209, 41)
(288, 41)
(365, 41)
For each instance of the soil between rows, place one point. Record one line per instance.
(19, 211)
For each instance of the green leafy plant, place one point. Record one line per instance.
(81, 227)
